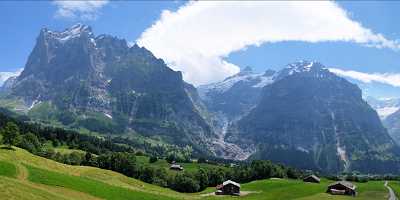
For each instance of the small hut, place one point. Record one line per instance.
(228, 188)
(176, 167)
(342, 188)
(312, 179)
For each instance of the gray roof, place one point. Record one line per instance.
(230, 182)
(344, 183)
(314, 177)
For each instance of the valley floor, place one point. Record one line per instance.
(24, 176)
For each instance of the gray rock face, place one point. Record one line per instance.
(392, 123)
(100, 80)
(304, 116)
(311, 118)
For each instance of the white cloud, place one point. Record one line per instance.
(5, 75)
(84, 10)
(198, 36)
(385, 78)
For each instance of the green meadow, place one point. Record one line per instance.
(26, 176)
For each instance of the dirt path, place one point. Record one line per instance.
(242, 193)
(22, 172)
(392, 195)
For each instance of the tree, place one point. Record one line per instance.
(201, 160)
(185, 183)
(89, 160)
(147, 174)
(202, 178)
(11, 134)
(75, 158)
(31, 143)
(153, 159)
(170, 158)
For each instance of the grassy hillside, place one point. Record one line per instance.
(395, 185)
(25, 176)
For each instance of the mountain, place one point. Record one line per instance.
(311, 118)
(385, 107)
(389, 112)
(236, 94)
(392, 123)
(99, 83)
(227, 101)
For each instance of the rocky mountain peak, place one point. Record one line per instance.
(75, 31)
(245, 71)
(304, 66)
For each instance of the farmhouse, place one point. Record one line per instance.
(176, 167)
(312, 179)
(342, 188)
(228, 188)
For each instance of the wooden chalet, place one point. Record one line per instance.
(342, 188)
(312, 179)
(228, 188)
(176, 167)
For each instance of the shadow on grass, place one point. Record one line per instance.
(7, 148)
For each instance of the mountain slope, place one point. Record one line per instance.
(99, 83)
(392, 123)
(311, 118)
(40, 178)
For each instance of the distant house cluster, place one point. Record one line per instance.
(337, 188)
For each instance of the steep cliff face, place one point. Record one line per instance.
(100, 83)
(311, 118)
(392, 123)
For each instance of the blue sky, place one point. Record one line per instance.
(133, 20)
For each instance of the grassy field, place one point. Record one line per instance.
(65, 150)
(281, 189)
(25, 176)
(7, 169)
(395, 185)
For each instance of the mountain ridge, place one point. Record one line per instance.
(78, 79)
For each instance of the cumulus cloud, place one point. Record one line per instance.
(385, 78)
(199, 35)
(84, 10)
(6, 75)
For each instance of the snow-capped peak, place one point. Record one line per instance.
(384, 106)
(303, 66)
(257, 80)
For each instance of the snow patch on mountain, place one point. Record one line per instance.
(4, 76)
(257, 80)
(384, 106)
(264, 81)
(70, 33)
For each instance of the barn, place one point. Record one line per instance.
(312, 179)
(228, 188)
(176, 167)
(342, 188)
